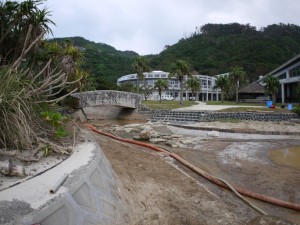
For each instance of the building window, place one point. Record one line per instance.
(282, 76)
(156, 75)
(163, 75)
(295, 72)
(150, 75)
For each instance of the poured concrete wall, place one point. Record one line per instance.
(108, 98)
(91, 194)
(102, 112)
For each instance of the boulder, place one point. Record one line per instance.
(157, 140)
(146, 134)
(213, 133)
(172, 144)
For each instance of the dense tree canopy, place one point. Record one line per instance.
(215, 48)
(211, 49)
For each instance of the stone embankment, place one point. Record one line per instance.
(202, 116)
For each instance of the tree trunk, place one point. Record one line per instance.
(222, 96)
(274, 98)
(181, 93)
(9, 169)
(237, 92)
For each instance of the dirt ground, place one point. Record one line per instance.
(161, 191)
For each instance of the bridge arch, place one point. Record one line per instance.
(108, 98)
(106, 104)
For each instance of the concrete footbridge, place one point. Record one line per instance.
(105, 104)
(108, 98)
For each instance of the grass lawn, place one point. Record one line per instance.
(234, 103)
(167, 104)
(278, 108)
(253, 109)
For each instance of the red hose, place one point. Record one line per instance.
(204, 174)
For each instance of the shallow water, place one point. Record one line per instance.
(289, 156)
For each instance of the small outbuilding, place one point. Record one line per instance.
(253, 92)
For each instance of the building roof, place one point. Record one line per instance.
(253, 88)
(285, 65)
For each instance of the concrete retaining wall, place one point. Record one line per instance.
(90, 195)
(202, 116)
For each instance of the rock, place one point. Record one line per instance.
(146, 127)
(154, 134)
(213, 133)
(128, 130)
(136, 137)
(157, 140)
(171, 144)
(134, 125)
(166, 137)
(176, 136)
(145, 134)
(186, 141)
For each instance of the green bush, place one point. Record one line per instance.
(296, 110)
(55, 119)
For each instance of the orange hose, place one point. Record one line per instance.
(204, 174)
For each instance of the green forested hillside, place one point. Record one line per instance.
(102, 61)
(215, 48)
(211, 49)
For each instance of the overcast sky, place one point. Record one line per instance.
(146, 26)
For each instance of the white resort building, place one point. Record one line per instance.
(207, 91)
(289, 77)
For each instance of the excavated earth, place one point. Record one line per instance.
(159, 190)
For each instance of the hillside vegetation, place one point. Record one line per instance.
(211, 49)
(102, 61)
(215, 48)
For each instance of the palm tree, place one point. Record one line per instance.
(194, 83)
(237, 74)
(223, 83)
(272, 86)
(160, 85)
(179, 69)
(140, 65)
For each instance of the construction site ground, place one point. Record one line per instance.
(159, 190)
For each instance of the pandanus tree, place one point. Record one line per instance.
(194, 83)
(28, 74)
(180, 69)
(21, 25)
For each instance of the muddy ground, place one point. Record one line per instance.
(161, 191)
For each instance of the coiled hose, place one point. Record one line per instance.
(220, 182)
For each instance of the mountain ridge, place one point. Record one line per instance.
(211, 49)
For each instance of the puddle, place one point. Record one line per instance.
(289, 156)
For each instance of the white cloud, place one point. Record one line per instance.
(145, 26)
